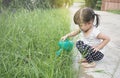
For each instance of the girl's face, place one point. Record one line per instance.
(86, 26)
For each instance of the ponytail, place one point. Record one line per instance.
(97, 20)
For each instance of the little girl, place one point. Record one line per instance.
(91, 41)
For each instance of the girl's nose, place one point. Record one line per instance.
(82, 26)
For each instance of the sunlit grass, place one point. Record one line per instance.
(79, 0)
(28, 43)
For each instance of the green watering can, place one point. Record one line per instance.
(66, 45)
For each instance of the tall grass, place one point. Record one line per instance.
(28, 42)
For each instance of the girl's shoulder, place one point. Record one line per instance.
(95, 31)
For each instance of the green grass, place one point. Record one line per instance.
(79, 0)
(114, 11)
(28, 42)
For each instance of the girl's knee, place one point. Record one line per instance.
(79, 42)
(99, 56)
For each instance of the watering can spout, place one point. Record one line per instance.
(59, 51)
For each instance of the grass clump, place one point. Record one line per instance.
(29, 43)
(114, 11)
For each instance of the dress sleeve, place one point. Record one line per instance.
(96, 32)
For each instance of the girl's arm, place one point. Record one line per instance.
(105, 39)
(71, 34)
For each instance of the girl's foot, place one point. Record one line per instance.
(89, 65)
(82, 60)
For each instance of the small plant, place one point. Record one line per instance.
(114, 11)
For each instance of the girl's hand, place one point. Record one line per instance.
(64, 37)
(95, 49)
(71, 34)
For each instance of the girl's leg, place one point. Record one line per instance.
(97, 56)
(83, 60)
(90, 62)
(91, 54)
(85, 51)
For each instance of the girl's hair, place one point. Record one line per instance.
(85, 15)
